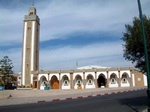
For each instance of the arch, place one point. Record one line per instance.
(65, 80)
(114, 81)
(54, 82)
(113, 78)
(78, 82)
(43, 82)
(125, 80)
(78, 79)
(101, 81)
(89, 80)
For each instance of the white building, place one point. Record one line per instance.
(89, 78)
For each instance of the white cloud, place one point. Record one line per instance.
(66, 57)
(106, 54)
(61, 18)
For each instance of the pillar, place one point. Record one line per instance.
(71, 80)
(107, 85)
(95, 80)
(60, 80)
(119, 80)
(38, 84)
(84, 80)
(48, 79)
(131, 79)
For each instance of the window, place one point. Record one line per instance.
(124, 80)
(29, 28)
(113, 81)
(66, 83)
(79, 82)
(90, 82)
(31, 13)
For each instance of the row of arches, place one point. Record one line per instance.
(89, 82)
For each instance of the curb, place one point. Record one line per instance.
(89, 96)
(56, 100)
(68, 98)
(42, 101)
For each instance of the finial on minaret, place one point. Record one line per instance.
(33, 3)
(32, 9)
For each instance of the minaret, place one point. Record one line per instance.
(30, 50)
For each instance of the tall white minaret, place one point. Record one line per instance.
(30, 49)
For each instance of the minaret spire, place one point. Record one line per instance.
(32, 2)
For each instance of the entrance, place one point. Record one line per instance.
(101, 81)
(54, 82)
(34, 84)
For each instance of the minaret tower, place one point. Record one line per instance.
(30, 50)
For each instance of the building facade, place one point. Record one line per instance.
(89, 78)
(68, 79)
(30, 51)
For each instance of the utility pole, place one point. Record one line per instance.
(146, 54)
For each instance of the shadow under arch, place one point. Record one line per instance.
(54, 82)
(101, 81)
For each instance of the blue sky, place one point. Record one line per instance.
(85, 31)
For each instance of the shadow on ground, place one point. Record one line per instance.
(137, 104)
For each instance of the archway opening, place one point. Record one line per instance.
(101, 81)
(89, 80)
(54, 82)
(78, 82)
(65, 81)
(43, 80)
(125, 78)
(113, 79)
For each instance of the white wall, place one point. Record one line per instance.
(65, 87)
(113, 85)
(145, 79)
(90, 86)
(133, 79)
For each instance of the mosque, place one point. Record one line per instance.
(82, 78)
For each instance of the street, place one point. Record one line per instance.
(134, 101)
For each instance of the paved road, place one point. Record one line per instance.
(134, 101)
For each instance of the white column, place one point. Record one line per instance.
(24, 53)
(33, 46)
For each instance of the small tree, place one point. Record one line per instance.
(6, 66)
(133, 47)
